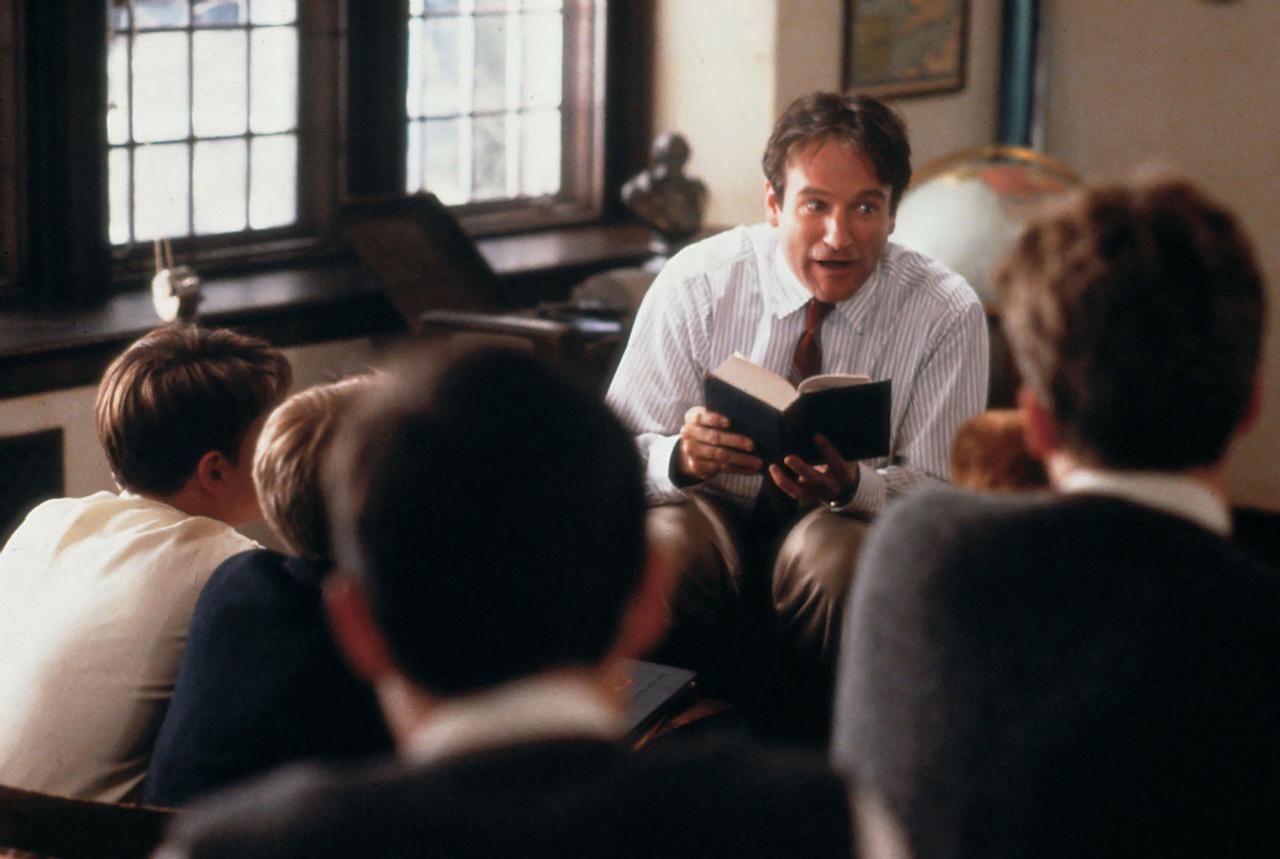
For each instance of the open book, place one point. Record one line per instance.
(851, 411)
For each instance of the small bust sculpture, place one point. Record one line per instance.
(664, 198)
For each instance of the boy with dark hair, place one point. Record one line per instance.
(96, 593)
(489, 586)
(1090, 673)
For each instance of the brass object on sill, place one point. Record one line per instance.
(175, 289)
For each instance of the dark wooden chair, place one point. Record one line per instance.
(44, 825)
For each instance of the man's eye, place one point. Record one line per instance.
(812, 206)
(867, 208)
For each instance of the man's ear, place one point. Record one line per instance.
(648, 613)
(355, 629)
(1038, 426)
(772, 205)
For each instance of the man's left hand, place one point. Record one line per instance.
(835, 479)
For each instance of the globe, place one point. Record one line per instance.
(966, 209)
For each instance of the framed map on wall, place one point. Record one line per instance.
(905, 47)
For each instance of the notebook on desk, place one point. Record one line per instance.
(655, 691)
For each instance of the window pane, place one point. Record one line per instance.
(219, 185)
(496, 5)
(442, 94)
(443, 140)
(434, 6)
(221, 102)
(273, 184)
(118, 194)
(160, 108)
(489, 157)
(413, 159)
(413, 84)
(275, 11)
(117, 16)
(274, 88)
(149, 14)
(543, 60)
(118, 90)
(543, 4)
(160, 191)
(540, 147)
(415, 7)
(224, 13)
(491, 64)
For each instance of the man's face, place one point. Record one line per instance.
(834, 221)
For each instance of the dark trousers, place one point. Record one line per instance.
(758, 605)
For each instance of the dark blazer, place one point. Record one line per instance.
(570, 797)
(1073, 676)
(261, 684)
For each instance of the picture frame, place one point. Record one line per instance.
(905, 47)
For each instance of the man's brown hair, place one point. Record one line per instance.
(178, 393)
(860, 121)
(1135, 314)
(286, 467)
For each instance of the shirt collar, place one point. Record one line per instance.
(1171, 493)
(535, 708)
(787, 293)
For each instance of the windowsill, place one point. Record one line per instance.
(47, 350)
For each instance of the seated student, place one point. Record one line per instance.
(1092, 672)
(488, 585)
(989, 454)
(262, 683)
(96, 593)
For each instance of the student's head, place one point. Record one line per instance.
(835, 168)
(989, 453)
(182, 396)
(286, 467)
(493, 514)
(1135, 316)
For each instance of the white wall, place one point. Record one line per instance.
(725, 69)
(1191, 86)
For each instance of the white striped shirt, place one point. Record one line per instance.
(913, 321)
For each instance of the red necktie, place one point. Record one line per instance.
(808, 357)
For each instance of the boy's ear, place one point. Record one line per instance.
(1038, 426)
(355, 629)
(211, 471)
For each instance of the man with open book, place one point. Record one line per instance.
(766, 548)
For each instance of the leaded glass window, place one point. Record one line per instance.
(202, 117)
(485, 100)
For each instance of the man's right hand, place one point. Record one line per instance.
(707, 448)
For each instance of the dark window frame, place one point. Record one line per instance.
(318, 134)
(54, 248)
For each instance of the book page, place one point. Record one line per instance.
(827, 381)
(765, 385)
